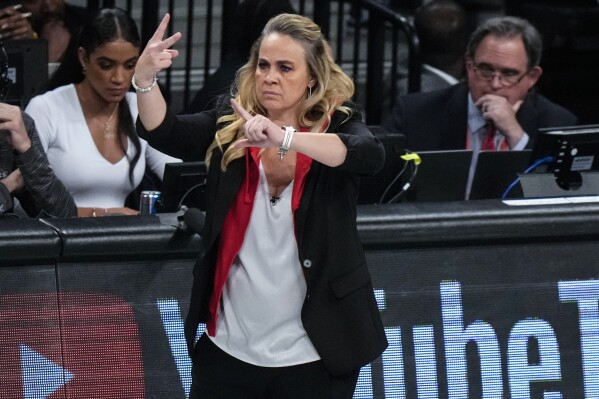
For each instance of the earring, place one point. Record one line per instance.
(309, 91)
(83, 68)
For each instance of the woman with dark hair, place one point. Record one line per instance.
(283, 285)
(85, 119)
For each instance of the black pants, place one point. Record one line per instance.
(217, 375)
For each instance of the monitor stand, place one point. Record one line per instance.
(540, 185)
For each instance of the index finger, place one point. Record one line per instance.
(240, 110)
(482, 99)
(159, 33)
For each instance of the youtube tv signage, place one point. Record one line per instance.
(516, 320)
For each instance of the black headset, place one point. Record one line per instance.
(5, 81)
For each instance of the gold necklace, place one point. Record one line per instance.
(107, 133)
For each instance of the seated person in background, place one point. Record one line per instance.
(441, 29)
(442, 32)
(56, 22)
(15, 22)
(51, 20)
(24, 169)
(496, 108)
(86, 120)
(250, 18)
(25, 172)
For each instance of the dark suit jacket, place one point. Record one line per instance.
(339, 313)
(438, 120)
(429, 81)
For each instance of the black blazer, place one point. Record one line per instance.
(340, 313)
(438, 120)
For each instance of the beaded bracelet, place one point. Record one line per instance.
(286, 145)
(143, 89)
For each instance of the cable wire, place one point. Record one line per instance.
(538, 162)
(180, 203)
(401, 172)
(406, 186)
(410, 158)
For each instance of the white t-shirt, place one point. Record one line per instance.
(92, 180)
(259, 319)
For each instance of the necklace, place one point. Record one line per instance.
(107, 133)
(281, 174)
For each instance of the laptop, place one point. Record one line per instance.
(441, 176)
(495, 171)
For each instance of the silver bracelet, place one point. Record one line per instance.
(286, 145)
(143, 89)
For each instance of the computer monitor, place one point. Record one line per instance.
(442, 176)
(496, 171)
(27, 68)
(184, 183)
(574, 150)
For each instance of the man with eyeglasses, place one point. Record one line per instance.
(497, 107)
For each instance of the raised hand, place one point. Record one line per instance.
(157, 55)
(502, 114)
(259, 130)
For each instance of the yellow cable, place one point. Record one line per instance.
(412, 156)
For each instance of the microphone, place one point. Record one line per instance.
(194, 220)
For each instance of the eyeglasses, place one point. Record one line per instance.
(507, 78)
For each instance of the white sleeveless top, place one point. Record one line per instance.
(259, 315)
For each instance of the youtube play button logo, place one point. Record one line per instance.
(74, 345)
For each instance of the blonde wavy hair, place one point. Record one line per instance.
(332, 88)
